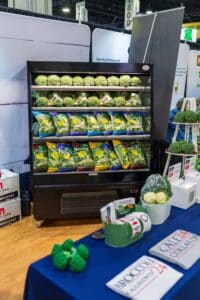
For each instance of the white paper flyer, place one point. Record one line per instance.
(147, 278)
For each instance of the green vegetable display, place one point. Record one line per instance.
(125, 80)
(78, 81)
(179, 117)
(134, 100)
(84, 159)
(68, 101)
(68, 162)
(105, 99)
(191, 116)
(66, 80)
(61, 123)
(93, 101)
(41, 80)
(135, 81)
(188, 148)
(42, 101)
(119, 101)
(118, 121)
(181, 147)
(78, 124)
(134, 122)
(175, 147)
(122, 154)
(81, 99)
(92, 125)
(46, 126)
(55, 100)
(40, 158)
(53, 80)
(54, 158)
(101, 162)
(105, 123)
(136, 156)
(100, 81)
(147, 123)
(113, 81)
(89, 80)
(112, 157)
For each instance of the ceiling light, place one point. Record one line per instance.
(66, 10)
(148, 12)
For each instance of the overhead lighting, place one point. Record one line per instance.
(148, 12)
(66, 10)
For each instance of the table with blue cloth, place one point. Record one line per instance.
(43, 282)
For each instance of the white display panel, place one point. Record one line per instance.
(25, 38)
(110, 46)
(193, 82)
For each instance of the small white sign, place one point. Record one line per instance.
(81, 11)
(174, 172)
(132, 7)
(189, 164)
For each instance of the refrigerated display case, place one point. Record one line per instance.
(80, 193)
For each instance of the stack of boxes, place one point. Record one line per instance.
(10, 202)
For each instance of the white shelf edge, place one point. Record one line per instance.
(87, 109)
(182, 154)
(196, 123)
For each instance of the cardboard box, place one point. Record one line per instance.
(10, 211)
(194, 176)
(9, 185)
(184, 193)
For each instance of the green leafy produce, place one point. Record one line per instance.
(119, 101)
(118, 122)
(125, 80)
(145, 146)
(105, 99)
(105, 123)
(53, 80)
(68, 162)
(190, 116)
(122, 154)
(112, 157)
(78, 125)
(134, 122)
(93, 126)
(55, 100)
(68, 101)
(89, 80)
(149, 197)
(175, 147)
(182, 147)
(101, 161)
(84, 159)
(40, 158)
(134, 100)
(46, 125)
(93, 101)
(135, 81)
(136, 156)
(113, 81)
(81, 99)
(41, 80)
(179, 117)
(42, 101)
(188, 148)
(61, 123)
(78, 81)
(100, 81)
(147, 123)
(66, 80)
(54, 158)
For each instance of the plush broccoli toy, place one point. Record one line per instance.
(67, 255)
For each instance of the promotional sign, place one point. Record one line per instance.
(110, 46)
(174, 172)
(132, 7)
(189, 34)
(189, 164)
(193, 81)
(81, 12)
(193, 25)
(180, 75)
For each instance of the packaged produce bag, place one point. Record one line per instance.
(101, 162)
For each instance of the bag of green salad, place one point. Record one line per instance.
(134, 123)
(61, 123)
(118, 123)
(122, 154)
(136, 156)
(78, 125)
(54, 158)
(100, 158)
(40, 158)
(104, 122)
(83, 156)
(46, 125)
(92, 125)
(68, 162)
(113, 159)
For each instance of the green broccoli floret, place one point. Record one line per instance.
(100, 81)
(41, 80)
(93, 101)
(68, 101)
(89, 81)
(179, 117)
(77, 263)
(66, 80)
(42, 101)
(136, 81)
(53, 80)
(120, 101)
(57, 248)
(83, 251)
(190, 116)
(125, 80)
(113, 81)
(188, 148)
(60, 260)
(175, 147)
(68, 245)
(77, 80)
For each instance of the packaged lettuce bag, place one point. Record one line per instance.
(83, 156)
(118, 123)
(134, 123)
(78, 125)
(46, 125)
(104, 122)
(61, 122)
(54, 158)
(93, 125)
(136, 156)
(68, 162)
(113, 159)
(40, 158)
(101, 162)
(122, 154)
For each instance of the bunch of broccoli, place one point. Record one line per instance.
(182, 147)
(64, 255)
(188, 116)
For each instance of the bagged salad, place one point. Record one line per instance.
(134, 100)
(83, 156)
(81, 99)
(136, 156)
(101, 162)
(134, 123)
(118, 123)
(92, 125)
(46, 126)
(122, 154)
(105, 99)
(104, 122)
(54, 158)
(40, 158)
(78, 124)
(146, 122)
(114, 162)
(68, 162)
(147, 151)
(61, 123)
(55, 100)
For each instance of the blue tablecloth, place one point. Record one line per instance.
(45, 283)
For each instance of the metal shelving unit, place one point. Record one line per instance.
(49, 189)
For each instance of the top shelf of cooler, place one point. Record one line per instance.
(91, 88)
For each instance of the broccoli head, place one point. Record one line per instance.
(41, 80)
(100, 81)
(190, 116)
(136, 81)
(77, 80)
(113, 81)
(89, 80)
(53, 80)
(179, 117)
(188, 148)
(77, 263)
(175, 147)
(60, 260)
(125, 80)
(83, 251)
(66, 80)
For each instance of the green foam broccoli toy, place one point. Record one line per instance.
(66, 254)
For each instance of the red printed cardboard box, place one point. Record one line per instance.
(10, 211)
(9, 185)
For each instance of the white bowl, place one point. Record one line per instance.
(158, 213)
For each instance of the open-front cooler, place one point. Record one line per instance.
(108, 109)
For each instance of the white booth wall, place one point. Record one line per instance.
(25, 38)
(193, 81)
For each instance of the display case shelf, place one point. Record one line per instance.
(92, 109)
(91, 88)
(186, 123)
(92, 138)
(181, 154)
